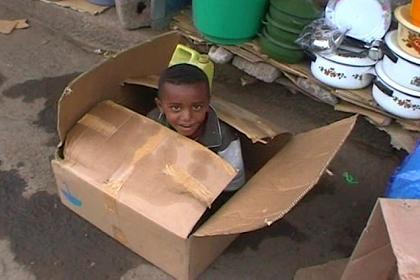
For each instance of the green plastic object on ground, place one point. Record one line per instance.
(228, 22)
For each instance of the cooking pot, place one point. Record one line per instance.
(394, 98)
(343, 69)
(402, 67)
(408, 33)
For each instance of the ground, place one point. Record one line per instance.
(41, 239)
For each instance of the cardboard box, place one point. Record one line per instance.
(388, 248)
(147, 186)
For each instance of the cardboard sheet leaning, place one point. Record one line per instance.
(120, 170)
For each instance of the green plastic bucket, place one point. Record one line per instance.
(228, 22)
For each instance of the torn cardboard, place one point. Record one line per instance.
(389, 241)
(79, 5)
(147, 186)
(7, 26)
(331, 270)
(388, 248)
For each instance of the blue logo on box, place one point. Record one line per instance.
(70, 197)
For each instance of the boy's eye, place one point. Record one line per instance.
(175, 108)
(197, 107)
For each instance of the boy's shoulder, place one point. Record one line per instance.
(154, 114)
(228, 134)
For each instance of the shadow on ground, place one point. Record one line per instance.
(53, 242)
(50, 89)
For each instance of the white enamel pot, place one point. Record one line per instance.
(402, 67)
(394, 98)
(342, 72)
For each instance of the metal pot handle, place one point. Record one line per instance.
(311, 55)
(383, 88)
(388, 52)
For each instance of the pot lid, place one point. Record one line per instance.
(383, 76)
(391, 40)
(350, 56)
(303, 8)
(402, 14)
(365, 20)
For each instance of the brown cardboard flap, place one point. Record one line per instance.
(402, 219)
(104, 81)
(148, 81)
(390, 244)
(151, 169)
(331, 270)
(253, 126)
(281, 183)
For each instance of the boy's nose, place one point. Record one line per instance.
(186, 115)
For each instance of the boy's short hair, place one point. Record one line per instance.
(183, 74)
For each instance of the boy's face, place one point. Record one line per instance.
(185, 107)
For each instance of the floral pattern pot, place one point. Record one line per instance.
(342, 72)
(399, 101)
(403, 68)
(408, 33)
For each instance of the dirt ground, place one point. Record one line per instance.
(41, 239)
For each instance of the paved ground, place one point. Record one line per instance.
(40, 239)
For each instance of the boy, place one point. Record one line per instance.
(183, 104)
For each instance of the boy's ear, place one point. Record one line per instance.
(159, 104)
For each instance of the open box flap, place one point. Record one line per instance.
(248, 123)
(104, 81)
(153, 170)
(389, 246)
(402, 222)
(281, 183)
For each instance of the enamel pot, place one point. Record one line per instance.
(402, 67)
(342, 71)
(394, 98)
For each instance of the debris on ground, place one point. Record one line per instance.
(7, 26)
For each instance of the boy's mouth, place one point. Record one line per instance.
(186, 129)
(186, 126)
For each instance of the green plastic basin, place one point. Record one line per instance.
(304, 9)
(228, 22)
(283, 52)
(287, 20)
(281, 33)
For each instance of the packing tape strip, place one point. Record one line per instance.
(119, 235)
(97, 124)
(189, 184)
(117, 180)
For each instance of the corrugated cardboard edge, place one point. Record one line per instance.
(331, 270)
(372, 250)
(64, 123)
(244, 213)
(402, 220)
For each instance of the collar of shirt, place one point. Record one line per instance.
(212, 134)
